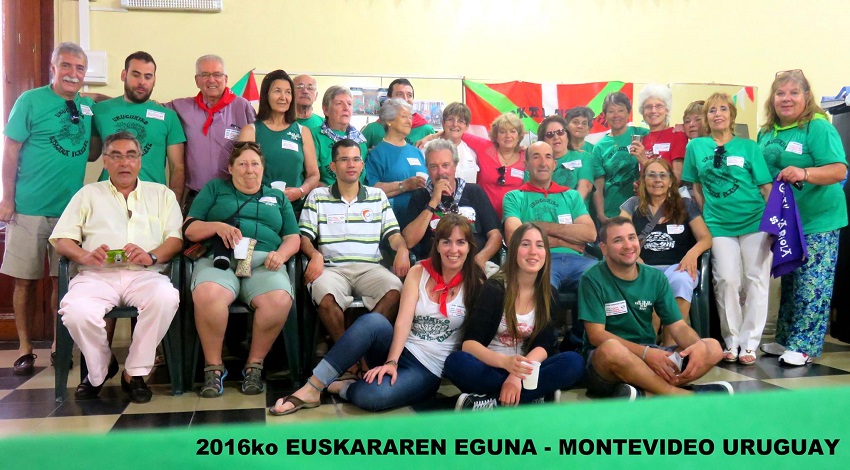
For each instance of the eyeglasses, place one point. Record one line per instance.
(501, 179)
(454, 120)
(206, 75)
(118, 156)
(558, 132)
(75, 113)
(719, 152)
(657, 176)
(302, 86)
(346, 160)
(650, 107)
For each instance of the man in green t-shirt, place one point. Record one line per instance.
(402, 89)
(157, 127)
(44, 163)
(616, 301)
(305, 94)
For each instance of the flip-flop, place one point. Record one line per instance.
(299, 404)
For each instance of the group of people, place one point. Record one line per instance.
(284, 181)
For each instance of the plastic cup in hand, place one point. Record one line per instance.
(240, 251)
(530, 382)
(281, 185)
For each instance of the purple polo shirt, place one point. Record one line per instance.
(206, 155)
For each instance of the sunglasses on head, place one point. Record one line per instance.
(250, 145)
(75, 113)
(501, 179)
(790, 72)
(558, 132)
(719, 152)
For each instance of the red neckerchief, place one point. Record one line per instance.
(225, 100)
(553, 188)
(441, 286)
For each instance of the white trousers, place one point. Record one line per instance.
(731, 257)
(92, 294)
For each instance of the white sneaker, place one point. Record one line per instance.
(557, 396)
(629, 392)
(721, 386)
(793, 358)
(773, 349)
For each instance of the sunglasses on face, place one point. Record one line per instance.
(75, 113)
(501, 179)
(558, 132)
(719, 152)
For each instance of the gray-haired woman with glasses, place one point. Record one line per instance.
(732, 183)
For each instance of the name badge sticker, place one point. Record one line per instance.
(735, 161)
(658, 148)
(288, 145)
(565, 219)
(268, 200)
(572, 165)
(794, 147)
(231, 134)
(517, 173)
(675, 229)
(414, 162)
(155, 115)
(336, 219)
(86, 110)
(456, 310)
(615, 308)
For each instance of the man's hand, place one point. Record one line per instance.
(7, 210)
(481, 262)
(315, 268)
(440, 187)
(95, 257)
(696, 353)
(401, 264)
(659, 361)
(137, 255)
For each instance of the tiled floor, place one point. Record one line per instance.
(27, 404)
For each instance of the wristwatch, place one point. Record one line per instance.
(154, 259)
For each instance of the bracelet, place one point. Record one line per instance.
(392, 362)
(645, 350)
(430, 209)
(806, 177)
(401, 186)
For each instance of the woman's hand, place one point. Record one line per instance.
(420, 144)
(689, 264)
(511, 391)
(518, 366)
(274, 261)
(791, 174)
(228, 233)
(637, 149)
(379, 372)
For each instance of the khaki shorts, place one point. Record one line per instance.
(370, 281)
(26, 246)
(244, 289)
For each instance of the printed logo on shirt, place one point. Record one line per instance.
(467, 212)
(795, 147)
(431, 328)
(293, 135)
(616, 308)
(658, 241)
(268, 200)
(717, 182)
(336, 219)
(368, 215)
(155, 115)
(643, 304)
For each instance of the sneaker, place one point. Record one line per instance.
(794, 358)
(772, 349)
(213, 382)
(628, 391)
(253, 382)
(557, 398)
(475, 402)
(537, 401)
(720, 386)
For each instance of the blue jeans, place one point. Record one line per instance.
(557, 372)
(370, 337)
(567, 269)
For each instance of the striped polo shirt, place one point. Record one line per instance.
(348, 231)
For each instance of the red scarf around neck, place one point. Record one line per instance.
(553, 188)
(225, 100)
(441, 286)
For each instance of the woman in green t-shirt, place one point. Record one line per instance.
(231, 210)
(802, 147)
(731, 183)
(573, 168)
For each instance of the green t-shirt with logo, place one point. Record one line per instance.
(625, 307)
(313, 122)
(575, 165)
(822, 208)
(612, 160)
(54, 151)
(324, 145)
(556, 208)
(733, 203)
(284, 154)
(267, 217)
(156, 127)
(374, 133)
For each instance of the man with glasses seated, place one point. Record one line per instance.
(120, 232)
(446, 193)
(44, 163)
(558, 211)
(211, 121)
(347, 221)
(306, 91)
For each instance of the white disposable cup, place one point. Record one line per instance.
(422, 175)
(530, 382)
(240, 251)
(281, 185)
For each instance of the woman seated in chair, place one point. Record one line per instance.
(508, 328)
(406, 362)
(221, 215)
(671, 230)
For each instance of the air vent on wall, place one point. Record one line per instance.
(206, 6)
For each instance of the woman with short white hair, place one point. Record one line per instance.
(656, 101)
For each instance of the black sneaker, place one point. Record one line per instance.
(629, 392)
(720, 386)
(476, 402)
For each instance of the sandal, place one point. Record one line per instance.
(747, 358)
(213, 382)
(730, 354)
(298, 404)
(253, 383)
